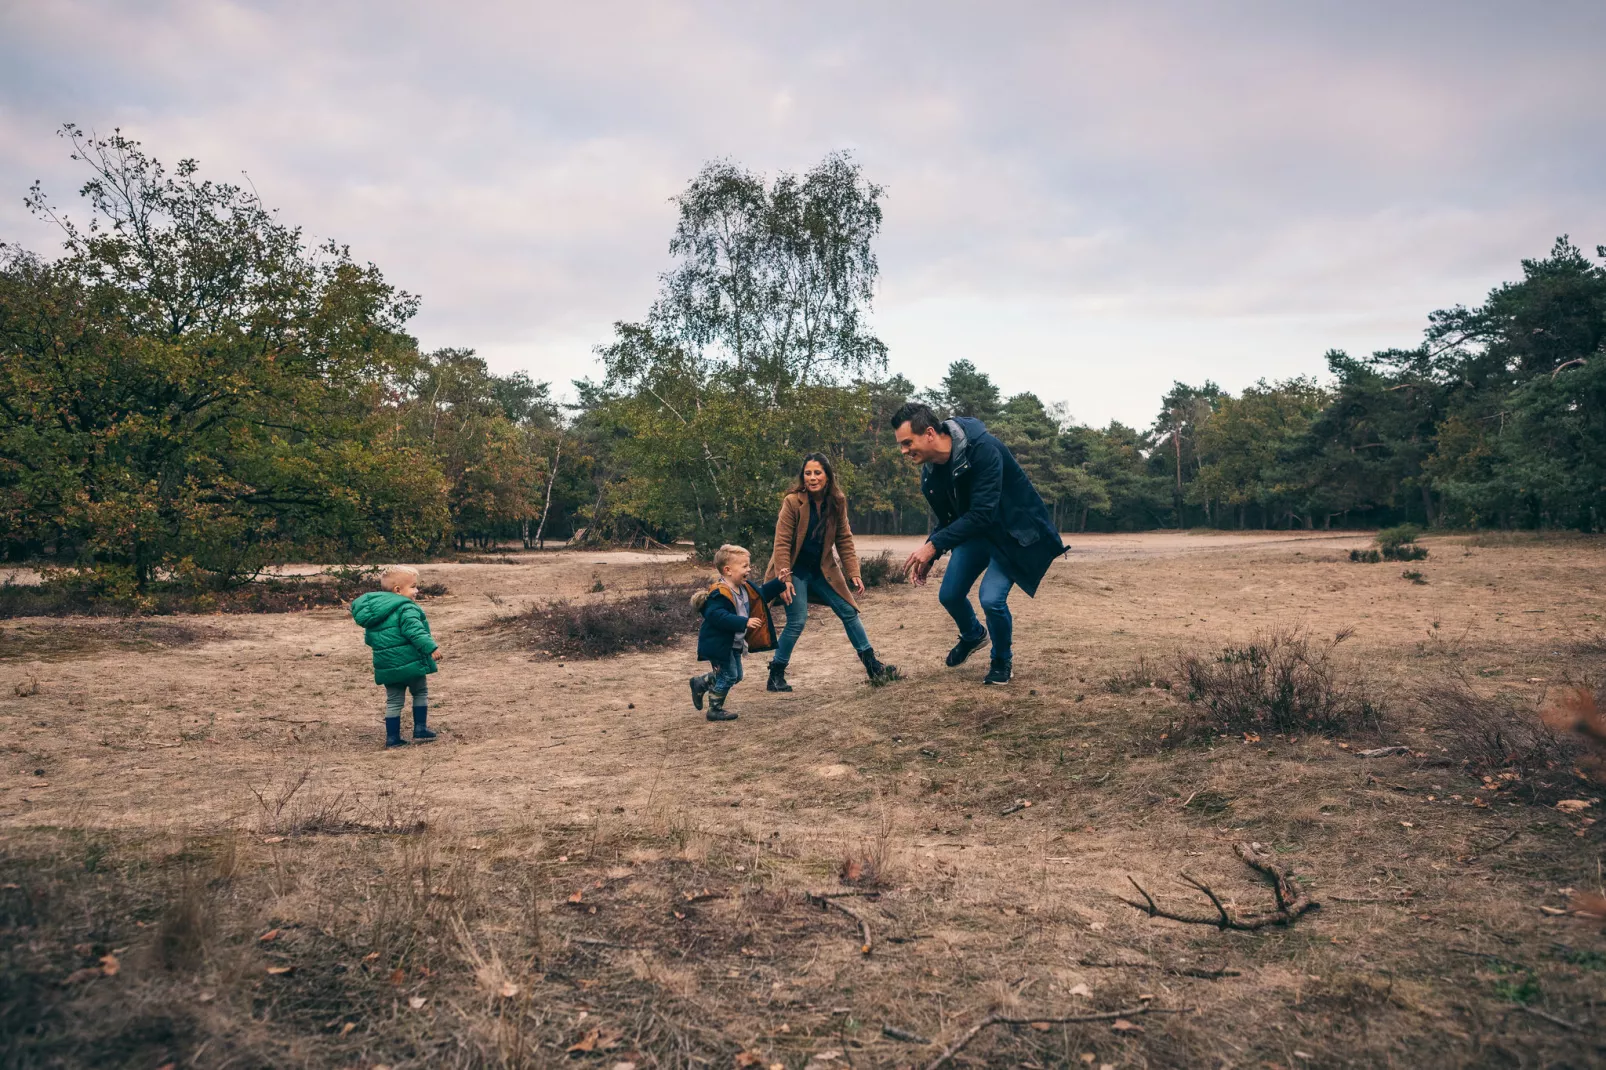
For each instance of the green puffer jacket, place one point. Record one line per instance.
(399, 633)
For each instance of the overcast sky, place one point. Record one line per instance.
(1089, 200)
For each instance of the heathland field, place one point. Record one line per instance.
(207, 858)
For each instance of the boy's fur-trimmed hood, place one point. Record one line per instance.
(699, 600)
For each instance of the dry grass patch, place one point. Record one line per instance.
(612, 624)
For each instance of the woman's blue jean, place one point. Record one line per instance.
(966, 562)
(817, 587)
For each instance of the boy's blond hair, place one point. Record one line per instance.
(724, 554)
(396, 577)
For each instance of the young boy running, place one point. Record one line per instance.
(404, 652)
(736, 619)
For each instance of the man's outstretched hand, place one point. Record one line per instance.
(919, 564)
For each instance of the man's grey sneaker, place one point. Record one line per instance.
(699, 688)
(1000, 672)
(963, 649)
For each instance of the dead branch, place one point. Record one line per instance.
(829, 902)
(1179, 971)
(1001, 1019)
(1291, 899)
(590, 942)
(1551, 1018)
(892, 1032)
(1382, 752)
(1559, 367)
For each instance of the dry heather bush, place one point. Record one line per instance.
(882, 570)
(291, 807)
(1503, 731)
(645, 620)
(1144, 674)
(1282, 681)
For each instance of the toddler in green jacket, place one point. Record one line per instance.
(404, 652)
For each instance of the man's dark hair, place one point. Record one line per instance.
(919, 417)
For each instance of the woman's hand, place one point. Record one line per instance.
(858, 584)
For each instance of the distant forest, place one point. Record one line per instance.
(191, 389)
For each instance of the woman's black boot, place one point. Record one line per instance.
(880, 673)
(777, 677)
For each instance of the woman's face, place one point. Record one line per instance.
(814, 477)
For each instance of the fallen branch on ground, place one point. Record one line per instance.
(892, 1032)
(1179, 971)
(828, 901)
(1291, 899)
(1002, 1019)
(1382, 752)
(1551, 1018)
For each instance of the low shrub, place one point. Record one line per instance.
(1365, 557)
(1414, 576)
(882, 570)
(1142, 675)
(1503, 732)
(1399, 544)
(1283, 681)
(80, 592)
(644, 620)
(1398, 536)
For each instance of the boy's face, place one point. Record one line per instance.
(737, 569)
(408, 589)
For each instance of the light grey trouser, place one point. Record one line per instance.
(396, 693)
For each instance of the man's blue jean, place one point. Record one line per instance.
(966, 562)
(808, 586)
(726, 675)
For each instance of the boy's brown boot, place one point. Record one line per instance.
(699, 688)
(716, 707)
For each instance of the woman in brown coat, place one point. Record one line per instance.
(814, 554)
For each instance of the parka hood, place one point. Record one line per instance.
(371, 609)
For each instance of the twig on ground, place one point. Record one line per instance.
(589, 942)
(1291, 899)
(828, 902)
(1485, 955)
(1015, 809)
(871, 893)
(1001, 1019)
(1382, 752)
(1501, 842)
(1551, 1018)
(1179, 971)
(892, 1032)
(1402, 900)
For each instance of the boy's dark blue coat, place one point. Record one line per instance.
(992, 499)
(722, 624)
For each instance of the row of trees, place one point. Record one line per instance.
(191, 389)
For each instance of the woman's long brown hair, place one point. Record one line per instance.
(832, 497)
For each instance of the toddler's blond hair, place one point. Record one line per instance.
(396, 577)
(726, 553)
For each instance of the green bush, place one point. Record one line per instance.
(1365, 557)
(1396, 537)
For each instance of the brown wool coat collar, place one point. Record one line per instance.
(792, 527)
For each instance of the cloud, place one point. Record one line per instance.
(1088, 200)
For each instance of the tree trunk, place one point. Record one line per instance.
(1427, 505)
